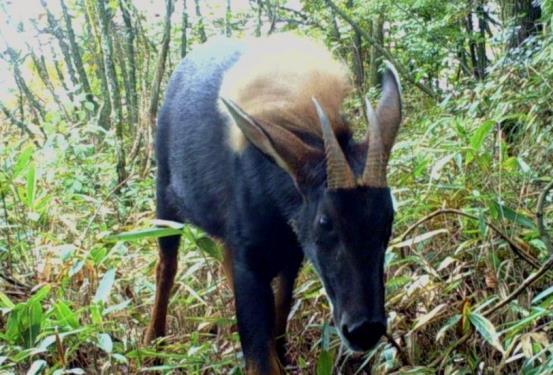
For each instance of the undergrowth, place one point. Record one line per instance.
(78, 255)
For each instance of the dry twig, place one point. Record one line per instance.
(525, 284)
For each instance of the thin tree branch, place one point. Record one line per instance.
(20, 124)
(401, 70)
(525, 284)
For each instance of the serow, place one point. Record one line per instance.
(252, 148)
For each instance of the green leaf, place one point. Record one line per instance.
(64, 313)
(325, 337)
(104, 288)
(210, 247)
(31, 185)
(513, 216)
(486, 329)
(40, 294)
(477, 139)
(23, 160)
(482, 223)
(105, 343)
(324, 363)
(144, 233)
(35, 324)
(5, 302)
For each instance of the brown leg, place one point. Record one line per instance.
(165, 276)
(283, 303)
(227, 267)
(274, 366)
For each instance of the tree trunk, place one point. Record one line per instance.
(200, 25)
(184, 35)
(121, 61)
(472, 46)
(75, 50)
(113, 88)
(156, 85)
(19, 124)
(522, 17)
(381, 49)
(42, 71)
(259, 23)
(375, 56)
(160, 68)
(55, 30)
(22, 84)
(59, 72)
(481, 44)
(131, 62)
(357, 53)
(228, 18)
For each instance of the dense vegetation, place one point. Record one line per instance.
(469, 279)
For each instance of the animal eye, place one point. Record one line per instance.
(325, 223)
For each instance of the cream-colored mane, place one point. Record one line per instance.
(275, 79)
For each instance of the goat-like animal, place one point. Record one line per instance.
(252, 148)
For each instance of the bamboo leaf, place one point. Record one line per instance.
(477, 139)
(104, 288)
(31, 185)
(324, 363)
(542, 295)
(486, 330)
(419, 238)
(426, 318)
(513, 216)
(37, 367)
(144, 233)
(105, 343)
(5, 302)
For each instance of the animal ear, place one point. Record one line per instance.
(284, 147)
(389, 107)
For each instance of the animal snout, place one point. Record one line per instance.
(363, 334)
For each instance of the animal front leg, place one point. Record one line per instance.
(256, 317)
(283, 303)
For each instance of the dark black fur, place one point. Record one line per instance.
(254, 207)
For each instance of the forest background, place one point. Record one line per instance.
(469, 280)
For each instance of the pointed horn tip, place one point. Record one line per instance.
(317, 105)
(227, 102)
(391, 71)
(371, 114)
(233, 108)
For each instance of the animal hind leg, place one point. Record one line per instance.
(165, 276)
(227, 266)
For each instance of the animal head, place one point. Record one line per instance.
(345, 219)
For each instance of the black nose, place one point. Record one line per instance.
(364, 334)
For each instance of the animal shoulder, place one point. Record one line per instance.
(275, 79)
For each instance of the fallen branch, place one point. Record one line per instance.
(526, 283)
(547, 266)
